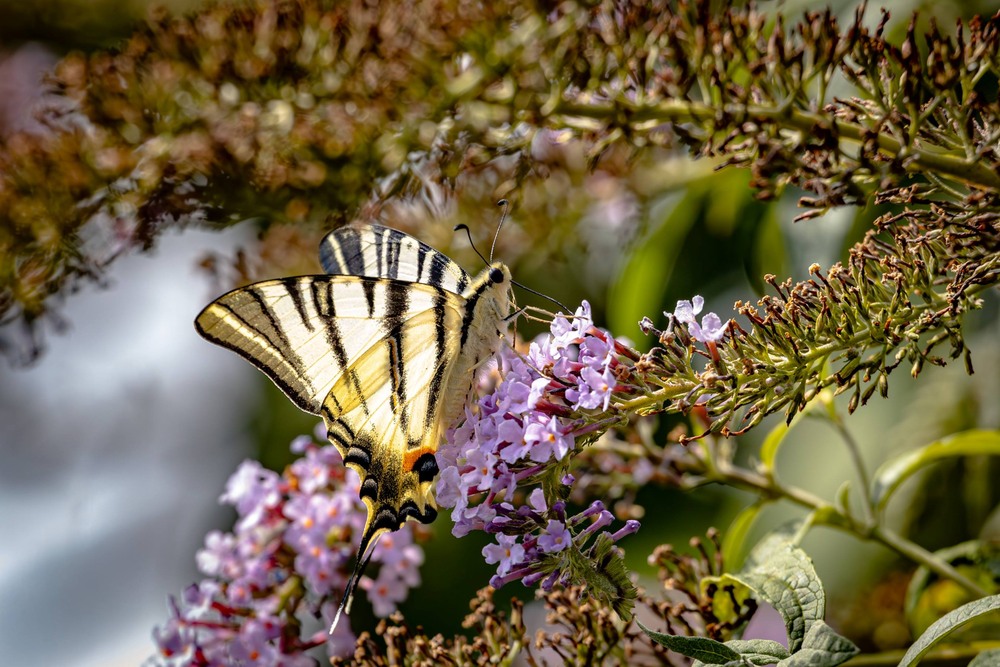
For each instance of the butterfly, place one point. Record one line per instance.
(385, 348)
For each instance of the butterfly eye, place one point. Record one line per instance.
(496, 276)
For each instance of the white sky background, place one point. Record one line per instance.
(113, 451)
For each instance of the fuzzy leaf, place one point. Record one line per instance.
(990, 658)
(759, 651)
(821, 647)
(783, 576)
(947, 624)
(703, 649)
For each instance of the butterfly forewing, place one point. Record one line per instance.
(302, 332)
(382, 252)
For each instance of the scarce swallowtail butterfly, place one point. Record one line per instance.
(385, 348)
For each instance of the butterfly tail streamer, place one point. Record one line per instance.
(365, 552)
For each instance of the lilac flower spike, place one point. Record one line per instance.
(296, 531)
(526, 431)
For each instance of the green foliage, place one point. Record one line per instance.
(893, 473)
(930, 596)
(779, 573)
(949, 623)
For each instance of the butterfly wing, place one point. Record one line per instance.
(382, 252)
(384, 349)
(302, 332)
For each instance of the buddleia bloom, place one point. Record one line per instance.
(283, 567)
(506, 469)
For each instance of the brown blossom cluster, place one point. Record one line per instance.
(293, 110)
(578, 630)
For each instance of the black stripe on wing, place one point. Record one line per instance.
(375, 251)
(226, 321)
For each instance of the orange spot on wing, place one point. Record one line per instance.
(411, 456)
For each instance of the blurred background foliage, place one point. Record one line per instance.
(630, 232)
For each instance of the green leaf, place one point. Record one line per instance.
(893, 472)
(735, 536)
(706, 650)
(782, 575)
(990, 658)
(821, 647)
(759, 651)
(930, 596)
(947, 624)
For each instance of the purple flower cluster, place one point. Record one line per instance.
(283, 566)
(523, 434)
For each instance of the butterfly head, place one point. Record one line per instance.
(496, 285)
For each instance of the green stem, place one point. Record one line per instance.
(972, 172)
(859, 467)
(771, 488)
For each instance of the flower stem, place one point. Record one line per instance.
(771, 488)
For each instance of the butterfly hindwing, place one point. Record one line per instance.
(387, 421)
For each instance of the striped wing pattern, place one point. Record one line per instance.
(384, 349)
(382, 252)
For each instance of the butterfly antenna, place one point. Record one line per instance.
(465, 228)
(368, 543)
(544, 296)
(503, 216)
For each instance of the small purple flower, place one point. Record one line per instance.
(537, 501)
(711, 329)
(252, 490)
(507, 552)
(219, 558)
(685, 311)
(555, 538)
(512, 431)
(241, 613)
(254, 644)
(517, 435)
(482, 464)
(172, 638)
(547, 440)
(385, 592)
(594, 392)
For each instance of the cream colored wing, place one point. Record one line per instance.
(304, 332)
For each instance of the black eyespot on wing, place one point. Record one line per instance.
(496, 276)
(426, 468)
(369, 488)
(387, 518)
(409, 509)
(359, 456)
